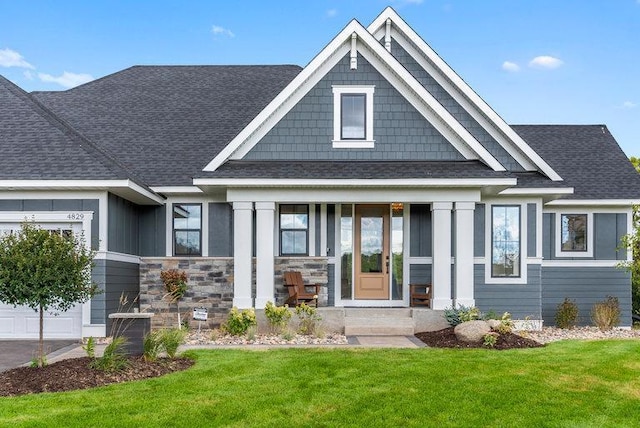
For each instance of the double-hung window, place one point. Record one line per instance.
(353, 116)
(294, 230)
(505, 241)
(187, 229)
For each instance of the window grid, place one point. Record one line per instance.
(294, 230)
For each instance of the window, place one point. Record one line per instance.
(294, 230)
(353, 117)
(187, 229)
(505, 241)
(574, 232)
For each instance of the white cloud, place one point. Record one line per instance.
(67, 80)
(545, 61)
(9, 58)
(630, 104)
(333, 12)
(510, 66)
(221, 31)
(28, 75)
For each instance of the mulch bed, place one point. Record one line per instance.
(75, 373)
(446, 338)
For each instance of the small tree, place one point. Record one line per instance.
(45, 271)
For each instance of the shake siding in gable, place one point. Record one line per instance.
(452, 106)
(400, 131)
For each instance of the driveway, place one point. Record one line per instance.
(14, 353)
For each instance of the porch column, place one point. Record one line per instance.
(242, 240)
(464, 254)
(441, 267)
(264, 253)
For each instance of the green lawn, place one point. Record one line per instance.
(565, 384)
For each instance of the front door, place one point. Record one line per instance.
(371, 256)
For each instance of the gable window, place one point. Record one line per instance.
(187, 229)
(505, 241)
(294, 230)
(574, 232)
(353, 116)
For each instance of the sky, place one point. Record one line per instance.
(532, 61)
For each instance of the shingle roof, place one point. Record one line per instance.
(587, 157)
(34, 145)
(151, 117)
(353, 170)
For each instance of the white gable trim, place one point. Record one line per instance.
(461, 92)
(388, 66)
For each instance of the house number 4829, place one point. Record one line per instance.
(75, 216)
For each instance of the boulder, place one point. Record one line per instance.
(472, 331)
(493, 324)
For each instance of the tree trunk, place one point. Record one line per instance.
(41, 341)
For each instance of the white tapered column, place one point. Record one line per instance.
(464, 254)
(242, 240)
(264, 253)
(441, 268)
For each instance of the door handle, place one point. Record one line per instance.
(387, 263)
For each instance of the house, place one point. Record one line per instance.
(373, 167)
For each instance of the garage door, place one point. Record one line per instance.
(23, 322)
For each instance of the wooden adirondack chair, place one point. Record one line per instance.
(421, 294)
(298, 291)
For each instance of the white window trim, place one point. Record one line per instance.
(368, 142)
(488, 279)
(558, 238)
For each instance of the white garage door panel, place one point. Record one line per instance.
(23, 323)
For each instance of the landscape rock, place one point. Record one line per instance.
(493, 324)
(472, 331)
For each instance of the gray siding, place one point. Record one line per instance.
(479, 226)
(419, 274)
(454, 108)
(587, 286)
(123, 225)
(58, 205)
(521, 300)
(116, 279)
(531, 230)
(608, 230)
(400, 131)
(220, 230)
(331, 230)
(420, 230)
(152, 229)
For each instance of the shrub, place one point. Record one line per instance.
(277, 316)
(151, 346)
(170, 339)
(175, 283)
(90, 347)
(239, 322)
(506, 324)
(114, 357)
(566, 314)
(455, 316)
(606, 314)
(308, 317)
(490, 339)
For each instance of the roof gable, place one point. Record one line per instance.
(367, 46)
(389, 25)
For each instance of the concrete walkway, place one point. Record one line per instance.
(14, 353)
(76, 351)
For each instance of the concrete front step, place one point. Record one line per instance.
(377, 312)
(378, 326)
